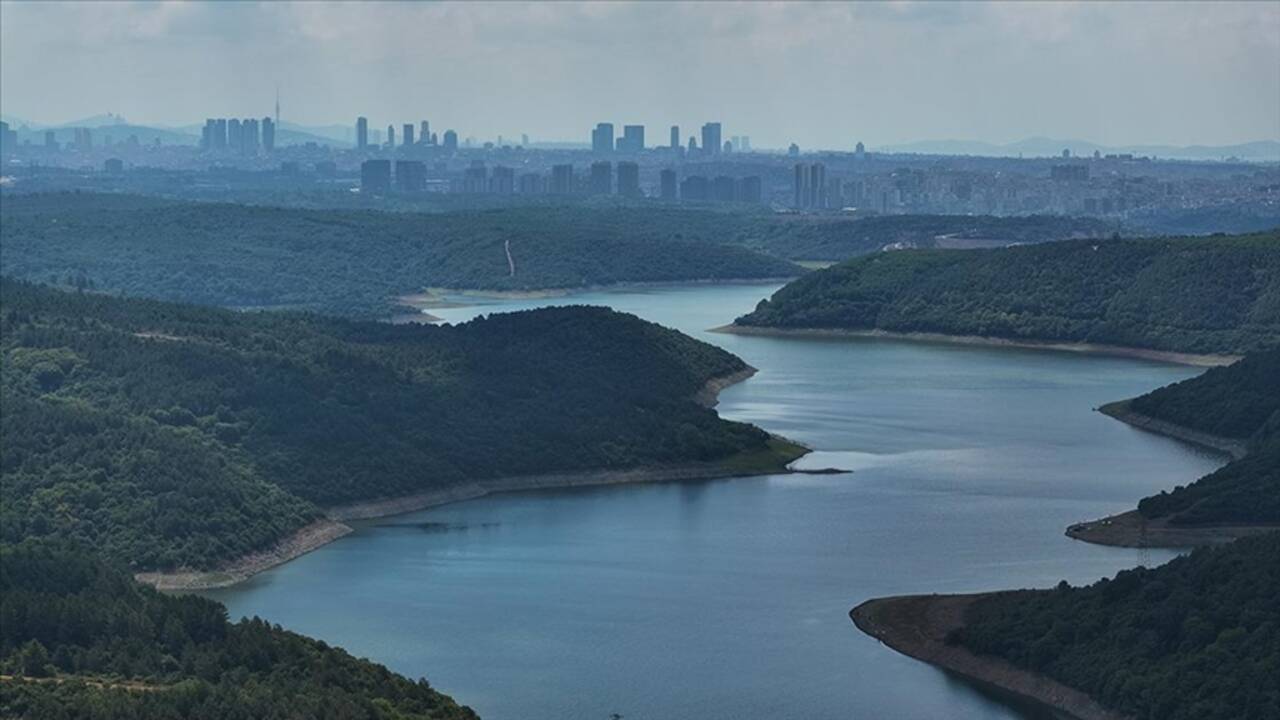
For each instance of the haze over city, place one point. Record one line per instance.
(821, 75)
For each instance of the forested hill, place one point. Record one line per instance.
(1205, 295)
(345, 262)
(170, 435)
(1195, 639)
(355, 262)
(1240, 401)
(80, 639)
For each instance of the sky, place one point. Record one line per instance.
(822, 75)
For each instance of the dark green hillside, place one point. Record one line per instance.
(1233, 401)
(79, 639)
(1196, 639)
(171, 435)
(1240, 401)
(1210, 295)
(354, 262)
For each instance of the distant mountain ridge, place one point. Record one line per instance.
(1261, 150)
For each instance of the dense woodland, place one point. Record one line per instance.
(168, 435)
(355, 262)
(1240, 401)
(1207, 295)
(1195, 639)
(81, 639)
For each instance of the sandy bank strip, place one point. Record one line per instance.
(917, 626)
(1128, 530)
(326, 531)
(299, 543)
(1084, 348)
(1122, 411)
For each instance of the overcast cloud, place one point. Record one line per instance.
(823, 75)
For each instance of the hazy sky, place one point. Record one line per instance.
(823, 75)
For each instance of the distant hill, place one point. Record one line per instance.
(1262, 150)
(118, 133)
(1195, 295)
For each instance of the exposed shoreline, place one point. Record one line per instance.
(1130, 529)
(434, 297)
(333, 526)
(1198, 360)
(917, 626)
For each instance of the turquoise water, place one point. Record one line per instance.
(729, 599)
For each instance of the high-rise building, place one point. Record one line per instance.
(695, 188)
(711, 143)
(476, 178)
(746, 144)
(524, 139)
(602, 138)
(794, 150)
(113, 166)
(407, 140)
(628, 179)
(234, 136)
(859, 150)
(632, 139)
(810, 186)
(675, 137)
(693, 145)
(601, 177)
(391, 136)
(723, 189)
(206, 134)
(561, 179)
(450, 141)
(362, 133)
(268, 135)
(728, 147)
(375, 176)
(251, 139)
(750, 189)
(532, 184)
(8, 138)
(667, 181)
(220, 134)
(50, 141)
(411, 175)
(503, 181)
(424, 136)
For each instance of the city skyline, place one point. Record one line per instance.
(900, 73)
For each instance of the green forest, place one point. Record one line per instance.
(167, 435)
(1195, 639)
(1239, 401)
(1204, 295)
(356, 262)
(80, 639)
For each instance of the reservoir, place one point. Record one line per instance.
(729, 600)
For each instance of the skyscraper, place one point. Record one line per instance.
(602, 138)
(391, 136)
(601, 177)
(50, 141)
(424, 137)
(375, 176)
(411, 175)
(695, 188)
(249, 129)
(750, 189)
(628, 179)
(667, 180)
(675, 137)
(810, 186)
(562, 179)
(450, 141)
(407, 140)
(362, 133)
(723, 188)
(268, 135)
(503, 181)
(632, 139)
(234, 138)
(711, 143)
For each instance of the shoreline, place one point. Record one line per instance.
(1178, 358)
(434, 297)
(1122, 411)
(1131, 529)
(917, 626)
(333, 526)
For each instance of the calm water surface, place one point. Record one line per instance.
(729, 599)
